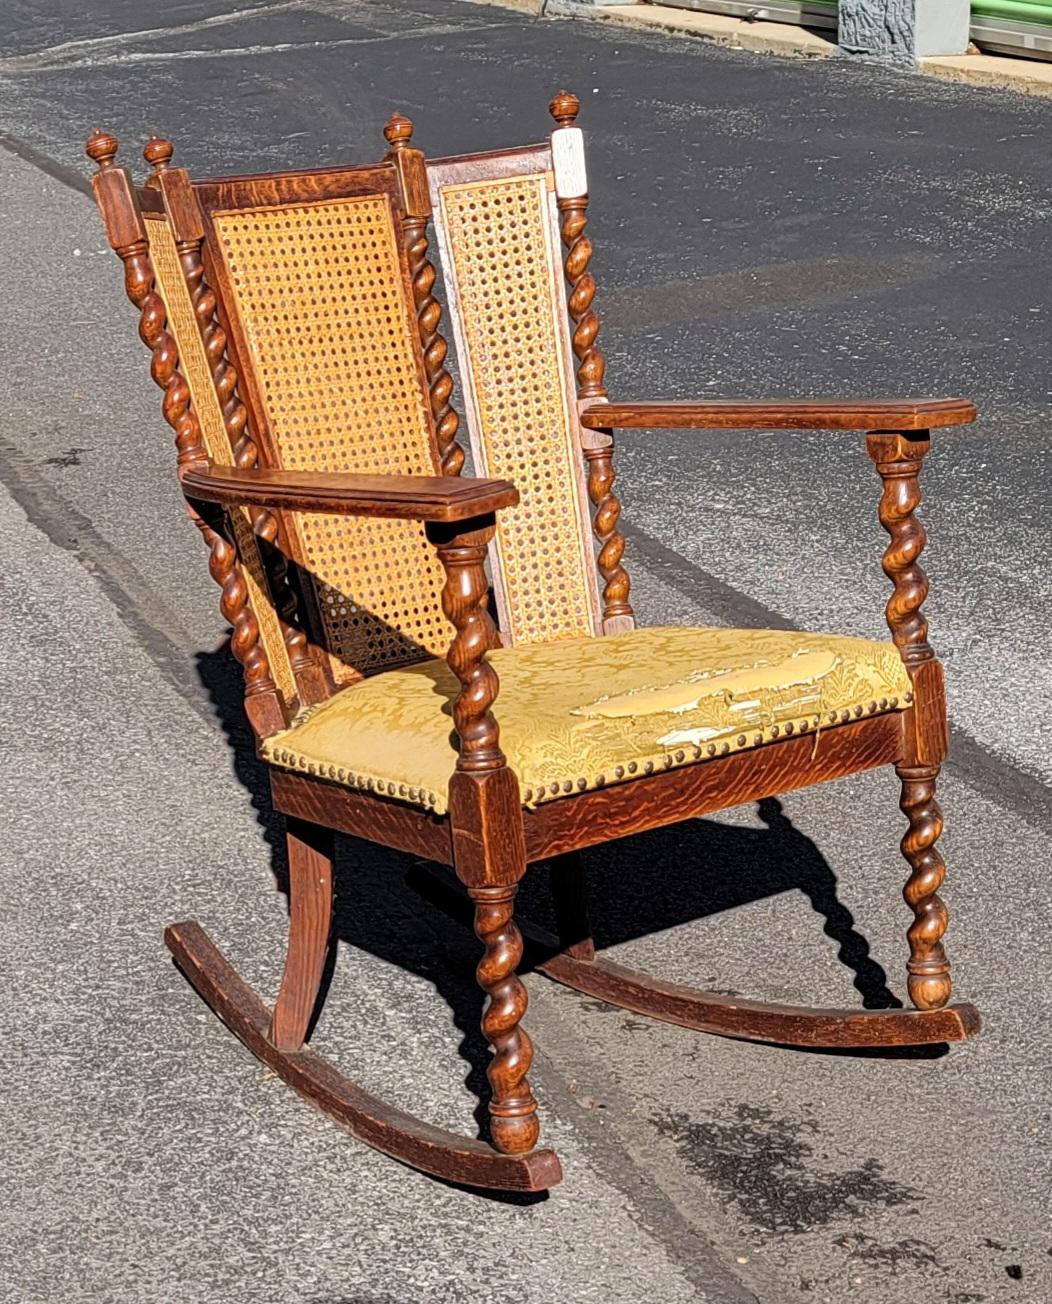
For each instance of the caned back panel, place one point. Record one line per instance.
(171, 286)
(498, 235)
(316, 290)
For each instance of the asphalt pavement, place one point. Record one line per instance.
(763, 227)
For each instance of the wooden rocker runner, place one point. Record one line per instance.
(294, 332)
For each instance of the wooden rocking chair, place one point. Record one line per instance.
(294, 331)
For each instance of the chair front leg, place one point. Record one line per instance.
(898, 458)
(489, 842)
(512, 1109)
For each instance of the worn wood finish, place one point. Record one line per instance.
(512, 1108)
(591, 818)
(399, 497)
(462, 552)
(118, 204)
(782, 414)
(727, 1016)
(489, 852)
(263, 704)
(430, 1149)
(362, 814)
(898, 458)
(929, 981)
(184, 218)
(488, 837)
(591, 369)
(492, 212)
(310, 848)
(398, 134)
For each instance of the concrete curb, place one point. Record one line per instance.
(720, 29)
(993, 72)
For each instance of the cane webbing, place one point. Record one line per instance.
(193, 364)
(509, 312)
(321, 301)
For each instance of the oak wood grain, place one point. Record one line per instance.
(431, 1149)
(732, 1016)
(310, 848)
(363, 815)
(782, 414)
(401, 497)
(674, 795)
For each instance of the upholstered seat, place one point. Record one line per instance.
(586, 712)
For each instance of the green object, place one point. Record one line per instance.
(1020, 11)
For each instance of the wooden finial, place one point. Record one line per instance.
(158, 152)
(564, 108)
(398, 132)
(101, 148)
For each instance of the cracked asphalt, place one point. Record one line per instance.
(763, 227)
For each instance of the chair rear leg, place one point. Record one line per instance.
(929, 982)
(569, 888)
(310, 923)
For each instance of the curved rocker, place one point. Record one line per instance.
(729, 1016)
(398, 1134)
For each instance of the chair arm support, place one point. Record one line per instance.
(781, 414)
(898, 458)
(401, 497)
(462, 552)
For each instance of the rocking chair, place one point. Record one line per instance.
(294, 332)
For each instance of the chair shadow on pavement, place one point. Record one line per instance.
(386, 900)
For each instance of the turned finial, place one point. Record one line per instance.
(398, 132)
(101, 148)
(158, 153)
(564, 108)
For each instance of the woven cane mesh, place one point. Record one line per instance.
(498, 237)
(194, 365)
(320, 296)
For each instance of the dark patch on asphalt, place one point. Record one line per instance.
(889, 1259)
(71, 457)
(768, 1167)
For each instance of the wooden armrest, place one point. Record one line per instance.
(404, 497)
(782, 414)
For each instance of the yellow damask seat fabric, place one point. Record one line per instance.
(587, 712)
